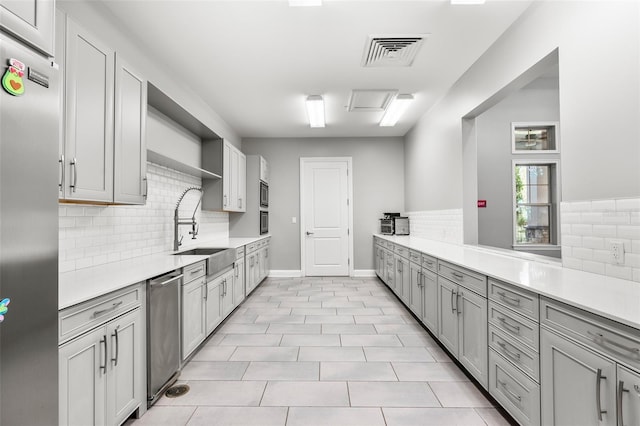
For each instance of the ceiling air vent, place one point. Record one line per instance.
(370, 100)
(392, 51)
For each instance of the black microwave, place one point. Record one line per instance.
(264, 194)
(264, 222)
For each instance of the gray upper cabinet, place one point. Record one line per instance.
(89, 92)
(130, 152)
(103, 152)
(229, 193)
(30, 20)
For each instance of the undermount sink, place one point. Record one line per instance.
(199, 252)
(219, 258)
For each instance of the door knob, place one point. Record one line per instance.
(309, 233)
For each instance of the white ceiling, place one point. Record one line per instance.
(254, 62)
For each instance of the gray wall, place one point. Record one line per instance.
(599, 103)
(378, 186)
(536, 102)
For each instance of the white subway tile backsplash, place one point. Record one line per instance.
(439, 225)
(94, 235)
(586, 241)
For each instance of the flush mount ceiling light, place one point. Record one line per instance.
(315, 110)
(467, 1)
(395, 110)
(294, 3)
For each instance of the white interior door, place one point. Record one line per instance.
(325, 210)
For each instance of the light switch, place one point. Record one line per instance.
(294, 219)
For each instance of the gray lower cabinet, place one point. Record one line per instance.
(578, 385)
(430, 300)
(589, 367)
(415, 289)
(462, 327)
(194, 307)
(402, 279)
(102, 369)
(628, 394)
(238, 280)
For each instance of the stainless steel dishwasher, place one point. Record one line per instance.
(163, 333)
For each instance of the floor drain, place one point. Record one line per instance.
(176, 391)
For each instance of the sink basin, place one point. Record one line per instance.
(199, 252)
(219, 258)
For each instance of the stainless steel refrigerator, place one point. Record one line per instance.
(29, 133)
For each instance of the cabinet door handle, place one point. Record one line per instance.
(599, 378)
(115, 360)
(513, 355)
(453, 309)
(206, 291)
(510, 393)
(146, 187)
(514, 328)
(62, 165)
(510, 300)
(419, 278)
(239, 203)
(74, 167)
(458, 297)
(621, 391)
(225, 201)
(103, 366)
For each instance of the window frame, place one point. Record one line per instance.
(520, 124)
(554, 202)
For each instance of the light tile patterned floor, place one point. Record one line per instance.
(323, 351)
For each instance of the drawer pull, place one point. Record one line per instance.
(506, 298)
(513, 355)
(457, 275)
(599, 377)
(196, 271)
(599, 339)
(102, 311)
(514, 328)
(510, 394)
(621, 391)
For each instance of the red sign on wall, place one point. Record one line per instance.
(482, 204)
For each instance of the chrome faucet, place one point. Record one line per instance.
(177, 221)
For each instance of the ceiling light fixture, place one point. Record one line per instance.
(315, 110)
(294, 3)
(396, 108)
(467, 1)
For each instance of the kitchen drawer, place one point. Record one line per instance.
(518, 327)
(240, 252)
(430, 263)
(415, 256)
(249, 248)
(523, 302)
(401, 251)
(85, 316)
(516, 392)
(377, 241)
(518, 354)
(471, 280)
(616, 340)
(194, 271)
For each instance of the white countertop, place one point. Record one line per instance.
(613, 298)
(84, 284)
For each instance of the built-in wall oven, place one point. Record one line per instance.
(264, 194)
(264, 222)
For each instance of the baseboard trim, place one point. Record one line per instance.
(285, 273)
(364, 273)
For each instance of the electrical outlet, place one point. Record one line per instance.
(294, 219)
(617, 252)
